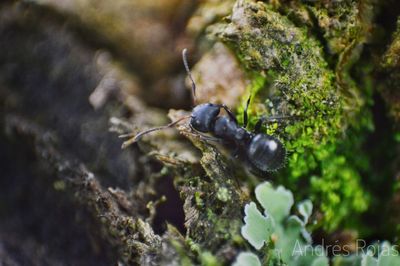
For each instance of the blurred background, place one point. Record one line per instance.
(66, 68)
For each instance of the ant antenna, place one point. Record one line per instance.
(185, 63)
(136, 137)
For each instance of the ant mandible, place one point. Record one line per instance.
(263, 152)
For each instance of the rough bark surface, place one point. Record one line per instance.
(77, 74)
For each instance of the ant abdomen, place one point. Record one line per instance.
(266, 153)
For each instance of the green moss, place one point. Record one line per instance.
(341, 23)
(59, 185)
(390, 63)
(223, 194)
(185, 260)
(292, 77)
(199, 201)
(211, 201)
(207, 259)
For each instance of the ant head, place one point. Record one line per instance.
(185, 63)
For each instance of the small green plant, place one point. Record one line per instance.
(381, 255)
(286, 240)
(284, 235)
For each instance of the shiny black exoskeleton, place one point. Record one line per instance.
(262, 151)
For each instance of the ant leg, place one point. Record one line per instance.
(245, 116)
(260, 122)
(135, 138)
(230, 113)
(204, 137)
(235, 153)
(208, 138)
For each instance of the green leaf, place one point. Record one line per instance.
(305, 209)
(388, 256)
(276, 202)
(292, 242)
(289, 239)
(320, 261)
(350, 260)
(247, 259)
(258, 228)
(310, 256)
(369, 260)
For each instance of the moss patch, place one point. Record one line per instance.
(292, 77)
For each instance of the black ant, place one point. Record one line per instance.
(263, 152)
